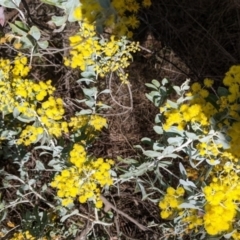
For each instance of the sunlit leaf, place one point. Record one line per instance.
(10, 4)
(149, 85)
(188, 205)
(18, 30)
(165, 81)
(43, 44)
(187, 183)
(158, 129)
(35, 32)
(59, 20)
(182, 169)
(39, 165)
(64, 218)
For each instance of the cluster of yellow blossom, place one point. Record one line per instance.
(231, 103)
(85, 48)
(20, 68)
(200, 110)
(9, 37)
(210, 151)
(77, 122)
(169, 204)
(8, 79)
(30, 100)
(222, 198)
(106, 55)
(23, 236)
(193, 219)
(97, 122)
(197, 110)
(234, 133)
(119, 59)
(27, 236)
(34, 102)
(84, 179)
(51, 115)
(5, 68)
(236, 235)
(28, 93)
(185, 114)
(192, 173)
(30, 135)
(92, 124)
(119, 18)
(220, 205)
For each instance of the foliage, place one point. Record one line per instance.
(41, 136)
(47, 140)
(83, 179)
(201, 128)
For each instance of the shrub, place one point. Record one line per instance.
(200, 127)
(45, 140)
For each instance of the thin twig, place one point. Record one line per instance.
(85, 231)
(114, 100)
(139, 225)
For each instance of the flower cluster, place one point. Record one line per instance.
(28, 93)
(9, 37)
(214, 117)
(97, 122)
(27, 236)
(116, 56)
(84, 179)
(119, 17)
(197, 110)
(236, 235)
(20, 68)
(85, 48)
(30, 135)
(34, 103)
(197, 113)
(30, 102)
(51, 114)
(185, 114)
(222, 198)
(169, 204)
(10, 77)
(87, 125)
(193, 219)
(104, 55)
(23, 236)
(32, 114)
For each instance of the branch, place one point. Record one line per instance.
(110, 205)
